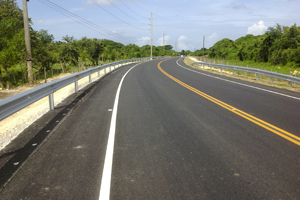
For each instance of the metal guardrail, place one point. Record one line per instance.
(289, 78)
(19, 101)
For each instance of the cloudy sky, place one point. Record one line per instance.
(187, 21)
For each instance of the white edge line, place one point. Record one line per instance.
(237, 82)
(107, 169)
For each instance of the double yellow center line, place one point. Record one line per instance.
(251, 118)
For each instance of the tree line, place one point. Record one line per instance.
(280, 45)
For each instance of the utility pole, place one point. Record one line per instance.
(151, 34)
(203, 44)
(164, 42)
(176, 46)
(27, 42)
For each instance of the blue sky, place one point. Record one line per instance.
(187, 21)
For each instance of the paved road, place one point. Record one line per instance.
(170, 142)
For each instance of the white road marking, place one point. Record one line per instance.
(110, 110)
(237, 82)
(107, 169)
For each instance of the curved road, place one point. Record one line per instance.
(172, 132)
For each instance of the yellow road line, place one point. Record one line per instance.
(270, 127)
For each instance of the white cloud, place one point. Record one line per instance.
(160, 41)
(143, 41)
(257, 29)
(213, 37)
(182, 38)
(182, 43)
(211, 40)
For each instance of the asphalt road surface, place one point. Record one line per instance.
(164, 130)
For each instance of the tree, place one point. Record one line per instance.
(11, 26)
(68, 52)
(94, 50)
(42, 50)
(224, 48)
(168, 47)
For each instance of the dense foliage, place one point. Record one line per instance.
(280, 45)
(12, 44)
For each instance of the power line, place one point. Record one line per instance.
(133, 10)
(156, 27)
(144, 9)
(139, 6)
(77, 18)
(124, 12)
(116, 16)
(155, 31)
(51, 6)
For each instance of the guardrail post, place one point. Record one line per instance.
(76, 86)
(203, 66)
(105, 71)
(221, 70)
(90, 78)
(51, 101)
(290, 83)
(234, 72)
(256, 76)
(272, 80)
(210, 68)
(99, 73)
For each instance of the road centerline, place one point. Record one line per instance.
(270, 127)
